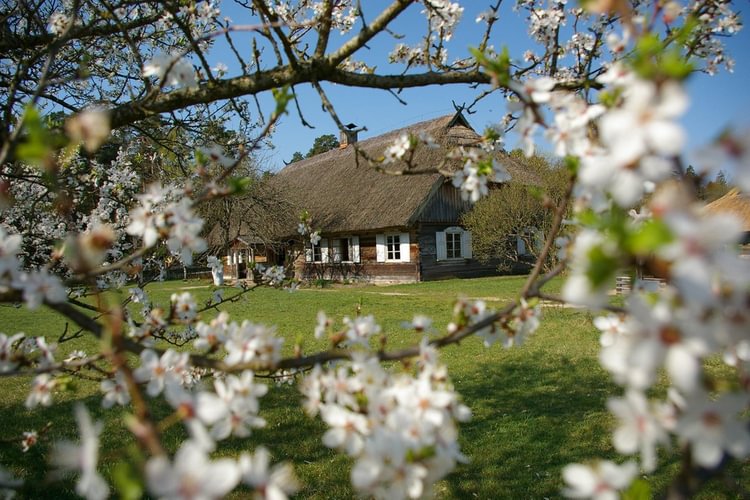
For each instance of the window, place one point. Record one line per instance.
(317, 253)
(453, 243)
(333, 250)
(393, 247)
(341, 249)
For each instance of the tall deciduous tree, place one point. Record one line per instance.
(509, 225)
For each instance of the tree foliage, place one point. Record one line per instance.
(517, 215)
(323, 143)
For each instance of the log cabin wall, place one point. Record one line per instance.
(433, 269)
(368, 269)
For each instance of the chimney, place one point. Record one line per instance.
(349, 135)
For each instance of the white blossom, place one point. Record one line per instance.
(360, 329)
(253, 343)
(8, 351)
(601, 481)
(184, 306)
(192, 475)
(715, 427)
(273, 483)
(215, 153)
(172, 70)
(158, 371)
(83, 458)
(58, 23)
(115, 391)
(90, 126)
(639, 429)
(398, 149)
(41, 286)
(30, 439)
(41, 391)
(323, 322)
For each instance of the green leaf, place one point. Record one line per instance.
(491, 134)
(674, 65)
(645, 55)
(686, 30)
(201, 158)
(36, 148)
(239, 185)
(649, 45)
(651, 236)
(588, 218)
(640, 489)
(610, 97)
(498, 68)
(126, 482)
(420, 455)
(282, 96)
(602, 266)
(484, 166)
(572, 164)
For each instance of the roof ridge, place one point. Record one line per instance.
(365, 142)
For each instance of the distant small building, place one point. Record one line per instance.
(387, 227)
(243, 253)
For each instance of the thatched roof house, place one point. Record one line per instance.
(387, 227)
(737, 204)
(734, 203)
(345, 195)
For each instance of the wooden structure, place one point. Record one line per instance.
(738, 205)
(243, 255)
(387, 228)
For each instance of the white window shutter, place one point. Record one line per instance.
(354, 250)
(308, 252)
(466, 245)
(336, 250)
(405, 249)
(520, 246)
(441, 246)
(380, 247)
(324, 249)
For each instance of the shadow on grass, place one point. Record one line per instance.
(529, 421)
(34, 465)
(290, 436)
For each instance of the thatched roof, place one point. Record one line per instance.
(258, 217)
(734, 203)
(343, 195)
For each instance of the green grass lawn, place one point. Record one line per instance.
(536, 407)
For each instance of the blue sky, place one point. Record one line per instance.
(716, 102)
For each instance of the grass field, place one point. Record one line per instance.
(536, 407)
